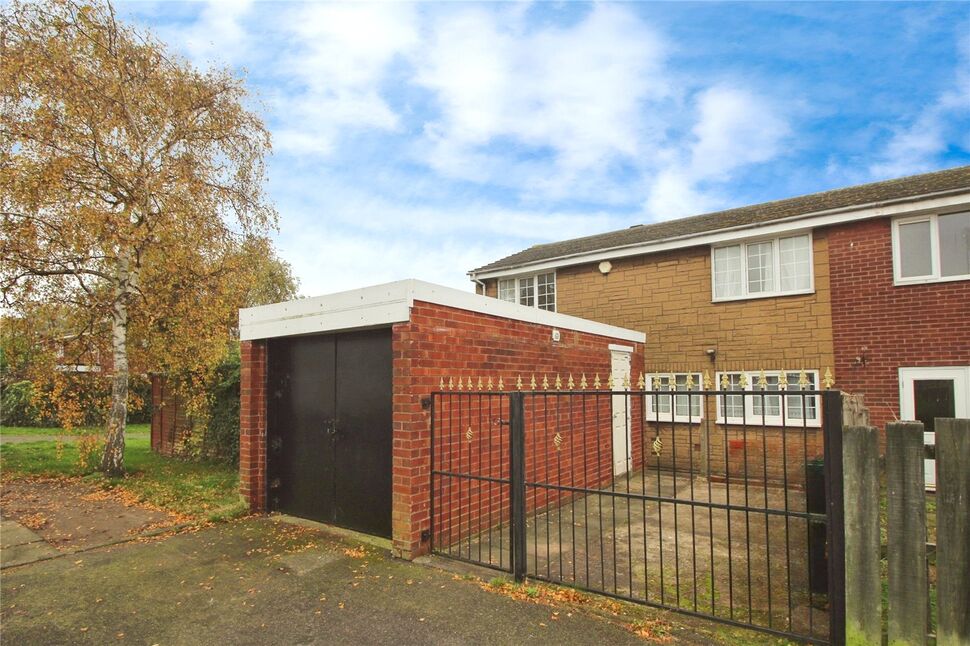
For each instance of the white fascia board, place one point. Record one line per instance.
(794, 224)
(391, 303)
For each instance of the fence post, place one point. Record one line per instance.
(835, 512)
(908, 585)
(517, 486)
(952, 531)
(863, 588)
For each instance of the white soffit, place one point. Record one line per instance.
(383, 305)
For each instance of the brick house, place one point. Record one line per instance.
(869, 283)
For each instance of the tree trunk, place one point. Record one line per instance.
(113, 460)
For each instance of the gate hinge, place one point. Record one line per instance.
(425, 535)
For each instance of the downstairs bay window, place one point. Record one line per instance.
(772, 405)
(674, 407)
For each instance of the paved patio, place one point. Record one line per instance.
(751, 567)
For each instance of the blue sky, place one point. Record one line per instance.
(422, 140)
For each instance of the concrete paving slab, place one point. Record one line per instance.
(20, 545)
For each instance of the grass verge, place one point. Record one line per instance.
(200, 490)
(56, 431)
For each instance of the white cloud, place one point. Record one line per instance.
(218, 36)
(569, 99)
(339, 58)
(734, 128)
(914, 147)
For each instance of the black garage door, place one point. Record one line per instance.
(329, 429)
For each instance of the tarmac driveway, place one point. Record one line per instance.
(263, 581)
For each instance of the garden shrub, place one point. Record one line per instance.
(222, 432)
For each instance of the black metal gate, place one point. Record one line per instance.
(721, 504)
(329, 429)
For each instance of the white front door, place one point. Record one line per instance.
(622, 446)
(928, 393)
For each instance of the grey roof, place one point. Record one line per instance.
(953, 179)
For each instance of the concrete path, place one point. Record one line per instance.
(20, 545)
(260, 581)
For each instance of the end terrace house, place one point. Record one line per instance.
(869, 284)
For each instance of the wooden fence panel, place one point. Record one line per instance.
(953, 531)
(908, 585)
(863, 589)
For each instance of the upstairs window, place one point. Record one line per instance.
(931, 248)
(532, 291)
(763, 268)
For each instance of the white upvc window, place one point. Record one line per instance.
(770, 406)
(931, 248)
(763, 268)
(674, 407)
(537, 290)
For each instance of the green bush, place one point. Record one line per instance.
(222, 434)
(17, 407)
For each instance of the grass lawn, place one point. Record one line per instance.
(133, 429)
(201, 490)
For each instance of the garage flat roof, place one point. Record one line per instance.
(383, 305)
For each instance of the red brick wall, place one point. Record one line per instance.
(442, 343)
(904, 326)
(252, 424)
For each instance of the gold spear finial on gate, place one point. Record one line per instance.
(460, 385)
(743, 381)
(501, 384)
(689, 382)
(672, 382)
(626, 381)
(641, 382)
(609, 382)
(783, 381)
(518, 382)
(481, 384)
(706, 381)
(803, 381)
(532, 383)
(828, 380)
(762, 380)
(558, 382)
(490, 384)
(596, 381)
(725, 383)
(441, 384)
(570, 384)
(657, 382)
(545, 382)
(451, 383)
(582, 383)
(470, 383)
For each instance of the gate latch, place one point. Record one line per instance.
(501, 422)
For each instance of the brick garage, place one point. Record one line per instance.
(435, 334)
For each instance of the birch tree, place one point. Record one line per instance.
(131, 185)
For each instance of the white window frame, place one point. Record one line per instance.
(517, 281)
(652, 415)
(936, 261)
(752, 419)
(775, 269)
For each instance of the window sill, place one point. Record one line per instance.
(776, 423)
(675, 420)
(750, 297)
(903, 282)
